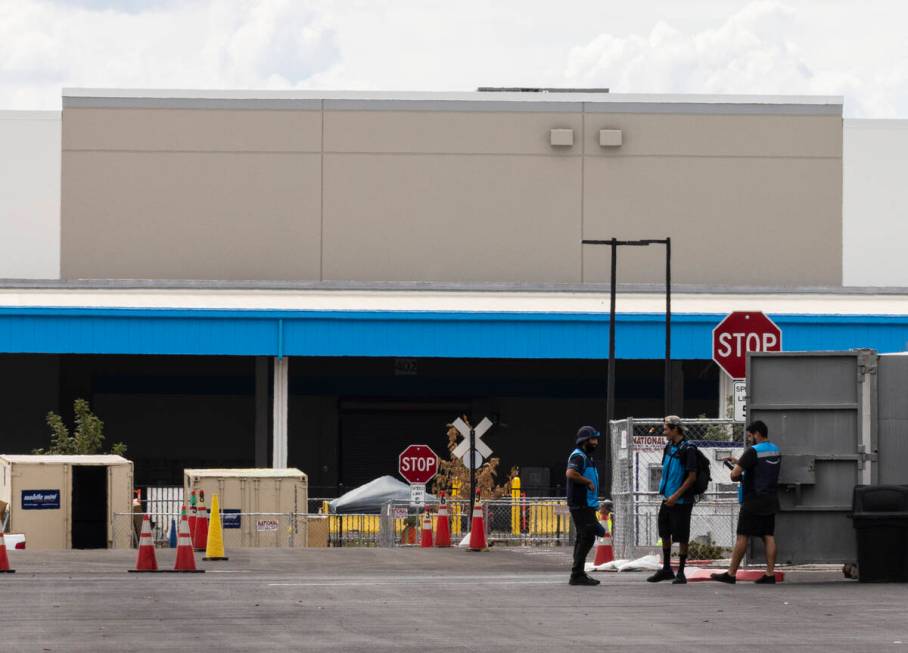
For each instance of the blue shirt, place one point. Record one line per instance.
(677, 462)
(578, 495)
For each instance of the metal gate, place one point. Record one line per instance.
(818, 407)
(636, 449)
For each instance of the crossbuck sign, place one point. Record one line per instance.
(482, 450)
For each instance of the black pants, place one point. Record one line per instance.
(588, 527)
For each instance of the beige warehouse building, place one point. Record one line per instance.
(316, 280)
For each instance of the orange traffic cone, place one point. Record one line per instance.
(4, 560)
(146, 560)
(443, 524)
(478, 528)
(425, 541)
(604, 552)
(200, 534)
(185, 561)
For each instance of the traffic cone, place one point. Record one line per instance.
(185, 561)
(604, 552)
(443, 524)
(200, 535)
(214, 547)
(478, 528)
(193, 513)
(172, 540)
(146, 560)
(425, 541)
(4, 560)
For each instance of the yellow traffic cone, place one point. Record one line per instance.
(214, 549)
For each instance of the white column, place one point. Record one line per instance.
(726, 394)
(279, 432)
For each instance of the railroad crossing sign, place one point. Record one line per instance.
(418, 464)
(739, 333)
(481, 449)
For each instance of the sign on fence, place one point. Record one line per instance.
(40, 499)
(231, 518)
(268, 525)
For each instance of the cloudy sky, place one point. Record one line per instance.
(855, 48)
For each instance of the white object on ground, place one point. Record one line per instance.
(465, 542)
(12, 539)
(606, 566)
(646, 563)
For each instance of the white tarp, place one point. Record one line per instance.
(370, 498)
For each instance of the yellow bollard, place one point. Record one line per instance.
(515, 505)
(456, 508)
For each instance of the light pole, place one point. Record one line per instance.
(614, 243)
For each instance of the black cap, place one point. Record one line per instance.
(587, 432)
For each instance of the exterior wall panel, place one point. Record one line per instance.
(452, 218)
(738, 221)
(192, 215)
(444, 188)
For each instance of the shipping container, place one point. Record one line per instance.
(67, 502)
(260, 507)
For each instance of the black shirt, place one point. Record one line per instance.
(578, 494)
(760, 481)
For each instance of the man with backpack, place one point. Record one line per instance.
(678, 487)
(583, 501)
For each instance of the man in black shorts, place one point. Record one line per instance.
(679, 472)
(758, 473)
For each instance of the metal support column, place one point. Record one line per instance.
(279, 427)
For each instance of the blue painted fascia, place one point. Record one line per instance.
(252, 332)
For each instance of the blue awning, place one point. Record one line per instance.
(410, 333)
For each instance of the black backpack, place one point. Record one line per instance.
(704, 473)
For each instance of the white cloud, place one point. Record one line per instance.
(755, 51)
(855, 48)
(195, 44)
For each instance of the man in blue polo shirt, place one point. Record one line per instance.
(679, 472)
(758, 493)
(583, 501)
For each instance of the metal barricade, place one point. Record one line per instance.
(636, 452)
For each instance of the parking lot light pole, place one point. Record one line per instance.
(614, 244)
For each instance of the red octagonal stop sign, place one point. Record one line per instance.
(739, 333)
(418, 464)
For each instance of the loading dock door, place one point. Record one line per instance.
(89, 507)
(374, 433)
(817, 406)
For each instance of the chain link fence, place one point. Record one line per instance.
(253, 529)
(636, 449)
(518, 521)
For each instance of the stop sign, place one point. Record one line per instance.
(739, 333)
(417, 464)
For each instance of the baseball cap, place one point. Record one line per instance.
(587, 432)
(674, 420)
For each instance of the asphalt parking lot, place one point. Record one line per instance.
(415, 600)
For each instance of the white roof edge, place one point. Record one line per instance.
(261, 472)
(59, 458)
(461, 302)
(213, 94)
(876, 123)
(30, 115)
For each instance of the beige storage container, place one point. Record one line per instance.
(67, 502)
(262, 507)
